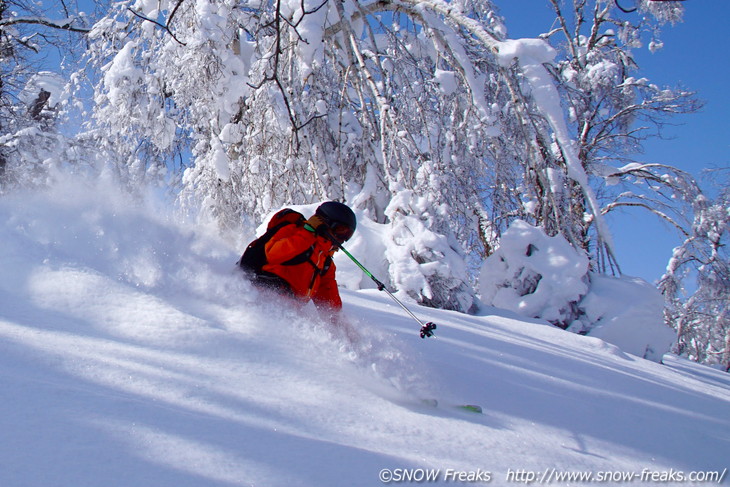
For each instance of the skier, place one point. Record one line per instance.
(295, 255)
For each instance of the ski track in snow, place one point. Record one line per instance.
(132, 354)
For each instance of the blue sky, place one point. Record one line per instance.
(696, 53)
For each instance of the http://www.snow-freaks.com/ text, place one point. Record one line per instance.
(547, 476)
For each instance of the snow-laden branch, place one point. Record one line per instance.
(166, 25)
(424, 12)
(451, 12)
(65, 24)
(416, 8)
(531, 56)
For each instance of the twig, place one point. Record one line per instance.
(164, 26)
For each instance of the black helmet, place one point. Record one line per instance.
(339, 218)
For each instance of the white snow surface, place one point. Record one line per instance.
(132, 354)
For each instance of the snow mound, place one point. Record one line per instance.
(627, 312)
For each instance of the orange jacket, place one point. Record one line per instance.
(313, 279)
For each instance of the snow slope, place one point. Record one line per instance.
(131, 354)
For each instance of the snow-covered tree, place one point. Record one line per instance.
(304, 101)
(420, 114)
(32, 143)
(31, 97)
(696, 284)
(610, 112)
(578, 157)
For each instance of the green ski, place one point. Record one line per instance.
(471, 408)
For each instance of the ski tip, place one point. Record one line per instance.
(472, 408)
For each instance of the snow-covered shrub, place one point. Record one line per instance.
(535, 275)
(425, 265)
(30, 143)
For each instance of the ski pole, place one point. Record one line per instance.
(426, 328)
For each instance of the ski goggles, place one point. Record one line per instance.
(342, 233)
